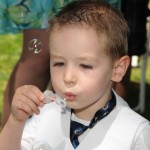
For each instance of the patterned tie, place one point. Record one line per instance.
(77, 128)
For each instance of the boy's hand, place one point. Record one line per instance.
(26, 101)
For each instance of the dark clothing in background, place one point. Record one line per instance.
(135, 12)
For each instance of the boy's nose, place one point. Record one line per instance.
(69, 76)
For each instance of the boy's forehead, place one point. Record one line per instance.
(80, 37)
(76, 27)
(79, 30)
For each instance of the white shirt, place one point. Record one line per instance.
(141, 140)
(53, 126)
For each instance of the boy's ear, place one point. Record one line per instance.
(120, 68)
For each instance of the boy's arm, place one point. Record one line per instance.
(25, 102)
(10, 137)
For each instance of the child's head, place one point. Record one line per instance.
(88, 44)
(99, 16)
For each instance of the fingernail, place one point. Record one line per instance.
(42, 97)
(41, 104)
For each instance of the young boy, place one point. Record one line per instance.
(88, 52)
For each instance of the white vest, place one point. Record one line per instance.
(114, 132)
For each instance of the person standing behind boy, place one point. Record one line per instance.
(88, 52)
(31, 18)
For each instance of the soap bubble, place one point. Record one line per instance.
(35, 45)
(41, 145)
(18, 14)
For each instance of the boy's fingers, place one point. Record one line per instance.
(31, 103)
(21, 109)
(32, 97)
(33, 93)
(37, 92)
(27, 106)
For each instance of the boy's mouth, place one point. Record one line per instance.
(69, 96)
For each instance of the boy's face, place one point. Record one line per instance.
(80, 71)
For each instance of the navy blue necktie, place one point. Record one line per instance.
(77, 128)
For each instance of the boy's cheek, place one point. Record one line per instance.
(56, 84)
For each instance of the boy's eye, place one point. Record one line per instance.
(86, 66)
(59, 64)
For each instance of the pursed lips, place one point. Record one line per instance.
(69, 96)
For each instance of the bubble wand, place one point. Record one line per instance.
(50, 97)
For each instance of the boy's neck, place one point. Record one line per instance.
(89, 112)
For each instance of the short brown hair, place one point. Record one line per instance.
(100, 16)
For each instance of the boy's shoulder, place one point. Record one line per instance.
(125, 127)
(127, 119)
(127, 112)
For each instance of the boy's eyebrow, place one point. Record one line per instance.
(88, 58)
(55, 56)
(83, 58)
